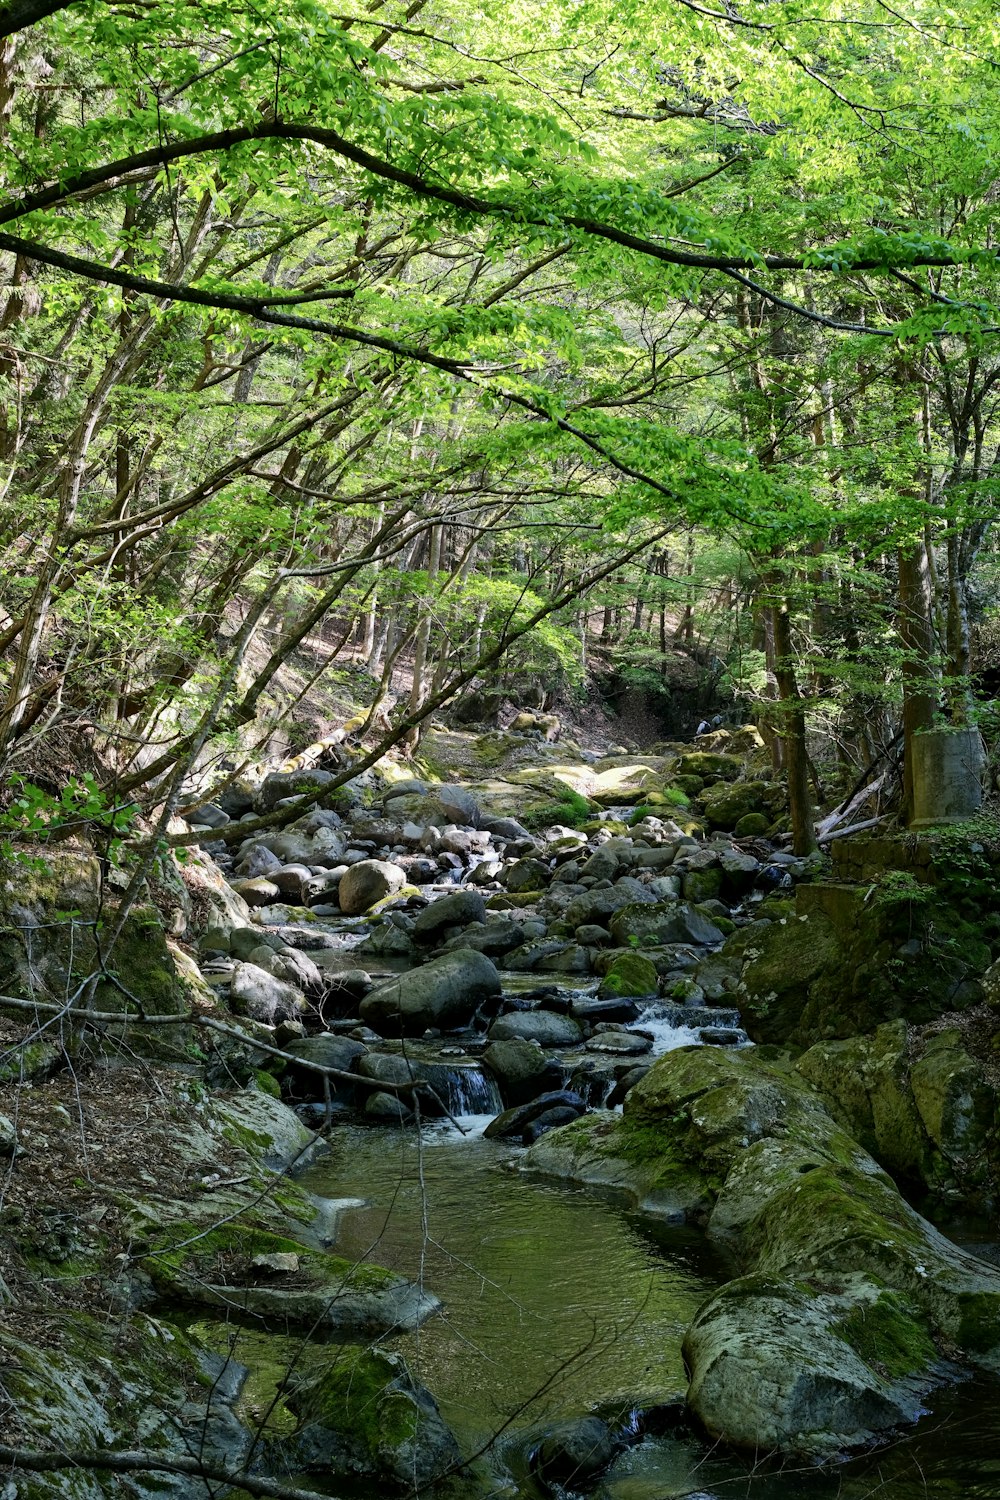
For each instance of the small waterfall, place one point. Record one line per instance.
(472, 1092)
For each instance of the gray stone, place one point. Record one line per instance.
(575, 1452)
(258, 892)
(542, 1026)
(258, 861)
(448, 911)
(457, 804)
(512, 1123)
(388, 1107)
(446, 992)
(367, 882)
(259, 995)
(281, 784)
(329, 1051)
(522, 1070)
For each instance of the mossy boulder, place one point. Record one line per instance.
(838, 1362)
(747, 1147)
(726, 804)
(224, 1266)
(919, 1102)
(710, 765)
(629, 974)
(842, 962)
(364, 1415)
(752, 825)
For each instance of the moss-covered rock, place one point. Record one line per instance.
(752, 825)
(796, 1200)
(841, 963)
(834, 1364)
(710, 766)
(726, 804)
(629, 974)
(364, 1415)
(215, 1267)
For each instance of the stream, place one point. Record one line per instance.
(558, 1300)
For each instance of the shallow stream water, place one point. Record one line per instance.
(558, 1300)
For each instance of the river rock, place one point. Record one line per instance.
(366, 1415)
(258, 861)
(258, 892)
(387, 1107)
(457, 804)
(257, 994)
(512, 1123)
(574, 1453)
(280, 784)
(366, 882)
(297, 968)
(629, 974)
(522, 1070)
(542, 1026)
(774, 1366)
(329, 1051)
(444, 993)
(449, 911)
(667, 923)
(526, 875)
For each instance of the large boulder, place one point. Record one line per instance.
(847, 1283)
(368, 882)
(281, 784)
(263, 997)
(444, 993)
(364, 1414)
(669, 922)
(542, 1026)
(455, 910)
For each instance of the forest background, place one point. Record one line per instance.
(482, 342)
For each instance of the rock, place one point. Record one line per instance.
(653, 926)
(258, 861)
(526, 875)
(629, 974)
(446, 992)
(278, 1263)
(280, 784)
(411, 788)
(8, 1135)
(522, 1070)
(262, 997)
(807, 1215)
(574, 1453)
(542, 1026)
(504, 828)
(330, 1293)
(592, 936)
(710, 766)
(512, 1123)
(591, 1010)
(244, 940)
(297, 968)
(366, 1415)
(450, 911)
(725, 805)
(329, 1051)
(752, 825)
(365, 883)
(809, 1369)
(457, 805)
(257, 892)
(294, 882)
(620, 1043)
(388, 1107)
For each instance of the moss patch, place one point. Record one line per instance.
(887, 1337)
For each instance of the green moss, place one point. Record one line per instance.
(887, 1337)
(190, 1250)
(357, 1395)
(267, 1083)
(979, 1321)
(630, 974)
(752, 825)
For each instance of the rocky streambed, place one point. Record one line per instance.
(573, 1230)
